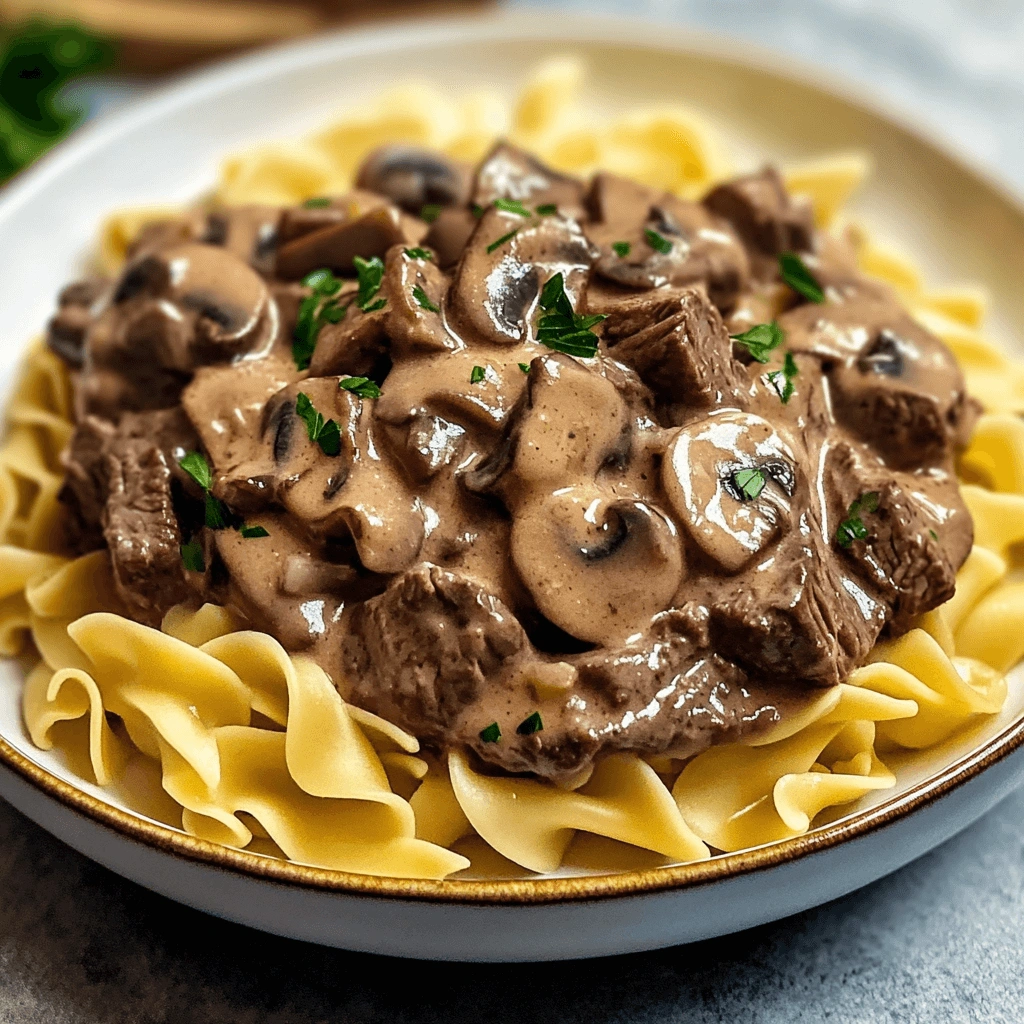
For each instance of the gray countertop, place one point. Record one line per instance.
(940, 941)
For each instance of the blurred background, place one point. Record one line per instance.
(954, 65)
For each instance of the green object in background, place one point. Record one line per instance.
(36, 60)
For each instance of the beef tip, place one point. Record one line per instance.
(84, 491)
(648, 239)
(449, 235)
(911, 548)
(510, 173)
(413, 178)
(763, 214)
(354, 346)
(423, 651)
(415, 289)
(65, 333)
(677, 342)
(141, 530)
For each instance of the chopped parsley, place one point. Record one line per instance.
(501, 241)
(933, 535)
(547, 210)
(477, 374)
(216, 515)
(749, 483)
(317, 203)
(491, 734)
(419, 253)
(430, 212)
(478, 210)
(530, 725)
(198, 468)
(361, 386)
(562, 329)
(511, 206)
(325, 433)
(621, 249)
(252, 532)
(852, 528)
(782, 380)
(760, 340)
(370, 273)
(192, 556)
(795, 273)
(657, 242)
(424, 300)
(314, 311)
(525, 367)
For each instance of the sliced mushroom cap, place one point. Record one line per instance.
(730, 478)
(508, 259)
(510, 173)
(336, 245)
(416, 290)
(414, 178)
(250, 232)
(598, 567)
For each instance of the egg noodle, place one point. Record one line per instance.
(255, 748)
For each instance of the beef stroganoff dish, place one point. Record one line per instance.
(462, 489)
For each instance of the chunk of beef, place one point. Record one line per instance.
(65, 333)
(423, 651)
(413, 178)
(677, 342)
(449, 235)
(84, 491)
(763, 213)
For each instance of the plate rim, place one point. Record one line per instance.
(668, 39)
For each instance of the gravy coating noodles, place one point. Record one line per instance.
(357, 751)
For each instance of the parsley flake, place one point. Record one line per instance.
(782, 380)
(325, 433)
(749, 483)
(317, 203)
(525, 367)
(419, 253)
(562, 329)
(478, 210)
(215, 513)
(252, 532)
(424, 300)
(374, 306)
(314, 311)
(370, 274)
(361, 386)
(192, 556)
(657, 242)
(530, 725)
(511, 206)
(430, 212)
(795, 273)
(621, 249)
(477, 374)
(198, 468)
(760, 340)
(547, 210)
(501, 241)
(852, 528)
(491, 734)
(933, 535)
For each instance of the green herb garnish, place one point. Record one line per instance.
(192, 556)
(782, 380)
(361, 386)
(547, 210)
(370, 274)
(215, 513)
(512, 206)
(933, 535)
(325, 433)
(478, 210)
(430, 212)
(424, 300)
(657, 242)
(852, 528)
(252, 532)
(419, 254)
(198, 468)
(760, 340)
(501, 241)
(314, 311)
(477, 374)
(749, 483)
(525, 367)
(491, 734)
(621, 249)
(795, 273)
(374, 306)
(562, 329)
(530, 725)
(317, 203)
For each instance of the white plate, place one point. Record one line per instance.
(167, 148)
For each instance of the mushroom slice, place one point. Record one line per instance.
(503, 268)
(510, 173)
(413, 178)
(415, 289)
(730, 478)
(250, 232)
(336, 245)
(597, 567)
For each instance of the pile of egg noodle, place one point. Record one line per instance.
(237, 742)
